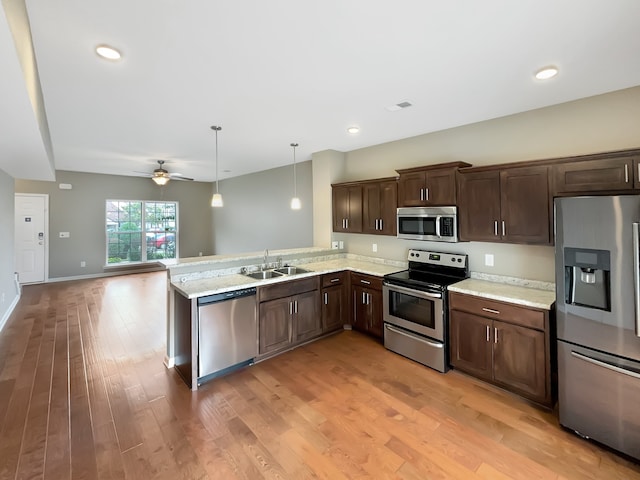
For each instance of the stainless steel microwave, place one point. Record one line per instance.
(436, 224)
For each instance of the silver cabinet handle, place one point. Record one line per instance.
(364, 302)
(380, 224)
(626, 173)
(290, 308)
(326, 298)
(422, 194)
(376, 227)
(504, 232)
(426, 194)
(495, 228)
(366, 282)
(495, 335)
(636, 274)
(488, 334)
(347, 222)
(608, 366)
(333, 280)
(295, 306)
(491, 310)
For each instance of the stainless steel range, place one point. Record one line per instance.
(416, 323)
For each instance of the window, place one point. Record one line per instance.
(139, 231)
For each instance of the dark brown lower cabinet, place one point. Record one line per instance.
(502, 343)
(335, 301)
(289, 313)
(367, 304)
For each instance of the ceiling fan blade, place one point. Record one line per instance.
(184, 179)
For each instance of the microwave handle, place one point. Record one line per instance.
(438, 225)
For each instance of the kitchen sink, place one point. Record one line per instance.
(291, 270)
(264, 274)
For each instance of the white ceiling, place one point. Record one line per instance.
(274, 72)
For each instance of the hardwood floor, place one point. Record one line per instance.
(84, 395)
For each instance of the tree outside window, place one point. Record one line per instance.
(139, 231)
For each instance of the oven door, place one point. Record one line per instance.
(414, 310)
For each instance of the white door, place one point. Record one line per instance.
(31, 237)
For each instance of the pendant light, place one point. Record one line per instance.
(216, 200)
(295, 201)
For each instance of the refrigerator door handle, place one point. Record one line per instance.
(606, 365)
(636, 274)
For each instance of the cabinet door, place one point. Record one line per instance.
(306, 314)
(375, 312)
(636, 172)
(479, 202)
(388, 208)
(340, 200)
(471, 348)
(411, 189)
(525, 209)
(334, 308)
(594, 175)
(441, 187)
(519, 359)
(275, 328)
(371, 207)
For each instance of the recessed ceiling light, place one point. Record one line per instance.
(546, 73)
(110, 53)
(353, 130)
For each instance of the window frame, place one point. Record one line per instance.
(143, 232)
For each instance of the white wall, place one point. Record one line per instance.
(596, 124)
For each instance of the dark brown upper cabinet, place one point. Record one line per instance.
(510, 205)
(347, 208)
(379, 205)
(597, 175)
(431, 185)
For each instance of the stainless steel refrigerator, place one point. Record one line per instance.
(598, 318)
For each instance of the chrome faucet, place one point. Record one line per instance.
(265, 263)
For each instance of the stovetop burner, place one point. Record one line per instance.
(431, 270)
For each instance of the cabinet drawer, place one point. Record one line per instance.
(368, 281)
(505, 312)
(331, 279)
(286, 289)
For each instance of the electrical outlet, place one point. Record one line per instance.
(83, 264)
(199, 254)
(374, 247)
(334, 245)
(488, 259)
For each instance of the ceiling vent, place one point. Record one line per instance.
(399, 106)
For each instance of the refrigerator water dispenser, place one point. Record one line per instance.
(587, 280)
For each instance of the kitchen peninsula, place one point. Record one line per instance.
(191, 280)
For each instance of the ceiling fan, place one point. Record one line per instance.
(162, 176)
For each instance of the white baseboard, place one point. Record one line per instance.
(9, 311)
(104, 274)
(169, 362)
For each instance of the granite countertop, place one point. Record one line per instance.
(226, 283)
(523, 294)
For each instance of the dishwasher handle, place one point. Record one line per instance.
(221, 297)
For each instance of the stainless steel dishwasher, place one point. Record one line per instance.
(227, 332)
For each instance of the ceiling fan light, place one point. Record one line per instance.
(161, 180)
(295, 203)
(216, 200)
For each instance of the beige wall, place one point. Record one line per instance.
(596, 124)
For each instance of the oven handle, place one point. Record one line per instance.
(410, 291)
(413, 337)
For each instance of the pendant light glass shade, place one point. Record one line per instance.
(216, 200)
(295, 201)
